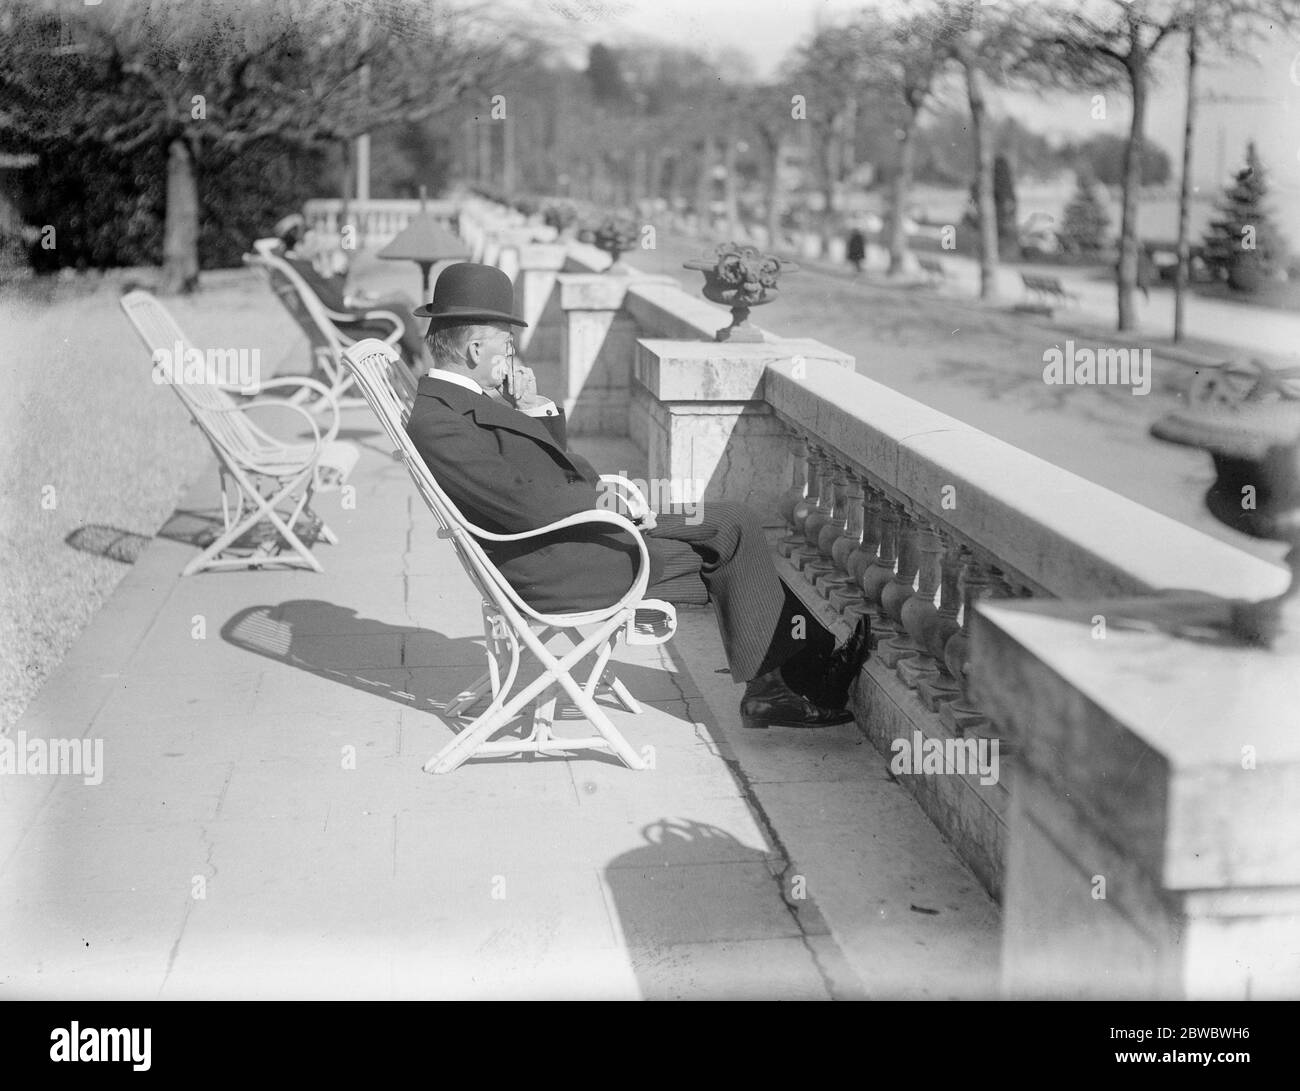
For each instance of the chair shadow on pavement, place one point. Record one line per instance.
(414, 667)
(690, 901)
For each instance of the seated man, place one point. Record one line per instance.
(507, 474)
(325, 271)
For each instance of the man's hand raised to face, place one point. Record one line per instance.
(518, 387)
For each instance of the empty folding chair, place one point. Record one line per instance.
(264, 480)
(327, 341)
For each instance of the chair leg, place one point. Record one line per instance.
(500, 712)
(596, 715)
(625, 698)
(544, 718)
(261, 509)
(471, 693)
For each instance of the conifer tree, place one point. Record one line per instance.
(1086, 223)
(1243, 244)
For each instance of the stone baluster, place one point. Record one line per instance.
(823, 568)
(897, 591)
(841, 588)
(797, 491)
(943, 687)
(821, 511)
(865, 555)
(868, 549)
(807, 504)
(977, 581)
(919, 612)
(880, 570)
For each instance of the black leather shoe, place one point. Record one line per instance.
(845, 663)
(781, 705)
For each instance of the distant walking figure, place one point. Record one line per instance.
(857, 248)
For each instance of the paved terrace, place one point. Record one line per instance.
(264, 828)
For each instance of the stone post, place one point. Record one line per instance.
(700, 413)
(598, 342)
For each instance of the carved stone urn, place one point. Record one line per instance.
(615, 235)
(740, 277)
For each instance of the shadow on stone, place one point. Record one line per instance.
(417, 668)
(685, 893)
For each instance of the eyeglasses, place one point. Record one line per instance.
(510, 345)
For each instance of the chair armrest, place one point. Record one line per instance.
(303, 382)
(392, 337)
(637, 505)
(595, 515)
(276, 403)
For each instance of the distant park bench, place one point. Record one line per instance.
(1046, 291)
(933, 269)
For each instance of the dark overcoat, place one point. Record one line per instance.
(506, 474)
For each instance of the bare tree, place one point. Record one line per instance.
(828, 73)
(904, 59)
(212, 75)
(1124, 37)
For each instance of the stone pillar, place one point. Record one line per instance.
(1154, 833)
(598, 342)
(700, 413)
(537, 302)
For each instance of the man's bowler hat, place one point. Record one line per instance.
(470, 292)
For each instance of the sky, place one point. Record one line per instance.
(768, 29)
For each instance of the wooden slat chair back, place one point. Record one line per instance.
(318, 323)
(511, 626)
(260, 474)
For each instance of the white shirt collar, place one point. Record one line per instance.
(459, 380)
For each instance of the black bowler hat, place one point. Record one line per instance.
(470, 292)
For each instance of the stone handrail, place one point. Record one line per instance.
(1059, 533)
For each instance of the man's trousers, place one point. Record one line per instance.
(724, 558)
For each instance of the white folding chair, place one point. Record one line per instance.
(319, 323)
(512, 627)
(260, 475)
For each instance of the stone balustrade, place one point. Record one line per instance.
(1033, 679)
(377, 221)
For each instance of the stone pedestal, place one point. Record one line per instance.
(537, 300)
(597, 344)
(1154, 837)
(698, 411)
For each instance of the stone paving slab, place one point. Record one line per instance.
(264, 827)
